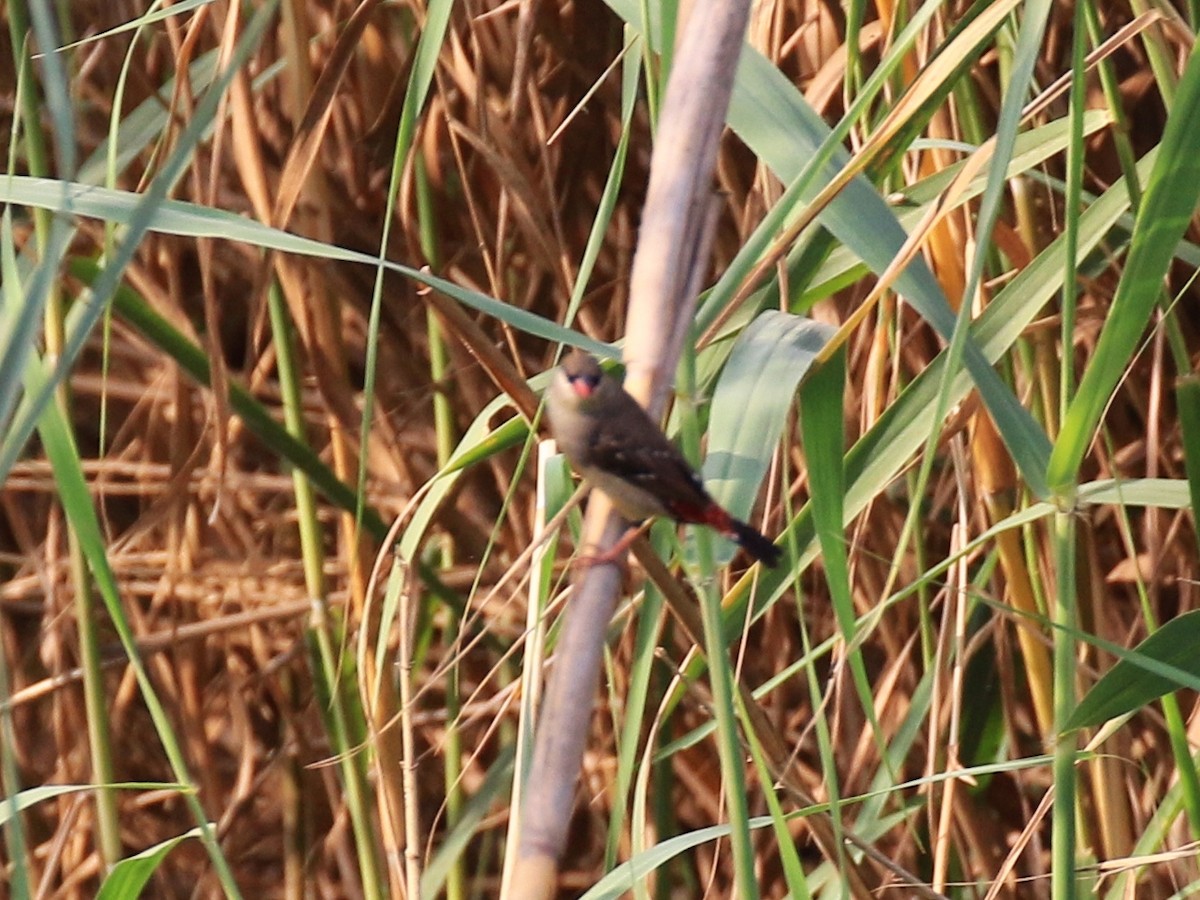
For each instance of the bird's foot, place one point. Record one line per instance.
(614, 554)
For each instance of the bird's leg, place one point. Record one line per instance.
(613, 553)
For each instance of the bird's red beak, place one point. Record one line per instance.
(582, 387)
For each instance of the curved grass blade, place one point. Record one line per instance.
(175, 9)
(129, 876)
(193, 220)
(751, 403)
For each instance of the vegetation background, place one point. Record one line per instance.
(216, 401)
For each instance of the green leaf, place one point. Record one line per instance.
(823, 432)
(751, 404)
(752, 400)
(1164, 662)
(1162, 493)
(626, 876)
(130, 875)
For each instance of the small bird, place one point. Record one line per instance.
(615, 445)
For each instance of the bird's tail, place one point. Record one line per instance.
(748, 538)
(757, 545)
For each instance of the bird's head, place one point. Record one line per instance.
(580, 381)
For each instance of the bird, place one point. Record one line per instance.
(612, 442)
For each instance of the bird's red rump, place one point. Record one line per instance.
(711, 515)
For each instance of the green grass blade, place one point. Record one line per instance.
(1165, 661)
(10, 806)
(193, 220)
(150, 18)
(1187, 393)
(751, 404)
(128, 877)
(454, 845)
(1171, 196)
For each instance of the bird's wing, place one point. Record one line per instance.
(651, 462)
